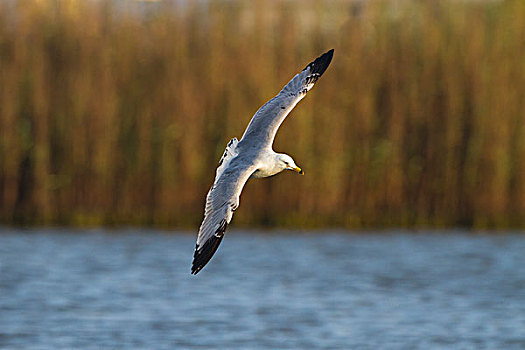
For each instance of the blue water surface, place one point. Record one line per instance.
(132, 289)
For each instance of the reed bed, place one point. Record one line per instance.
(117, 112)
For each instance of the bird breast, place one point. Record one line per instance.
(266, 170)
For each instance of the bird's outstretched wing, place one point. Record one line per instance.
(268, 118)
(222, 200)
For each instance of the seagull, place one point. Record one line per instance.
(251, 157)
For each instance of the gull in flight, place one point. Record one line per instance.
(251, 157)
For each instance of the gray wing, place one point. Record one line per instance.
(222, 200)
(266, 121)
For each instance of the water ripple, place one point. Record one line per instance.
(129, 289)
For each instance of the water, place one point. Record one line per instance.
(133, 290)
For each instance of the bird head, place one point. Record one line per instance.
(288, 163)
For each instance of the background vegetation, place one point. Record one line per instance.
(117, 112)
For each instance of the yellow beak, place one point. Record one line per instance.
(299, 170)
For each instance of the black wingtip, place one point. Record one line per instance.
(321, 63)
(203, 255)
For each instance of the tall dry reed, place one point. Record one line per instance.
(117, 112)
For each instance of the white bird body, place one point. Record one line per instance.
(270, 163)
(251, 157)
